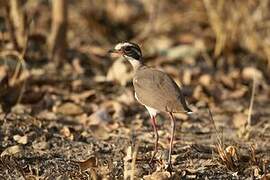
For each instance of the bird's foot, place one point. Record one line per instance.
(169, 168)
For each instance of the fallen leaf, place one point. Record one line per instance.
(66, 133)
(12, 150)
(89, 163)
(205, 80)
(227, 81)
(158, 176)
(100, 117)
(116, 108)
(187, 75)
(249, 72)
(69, 108)
(78, 97)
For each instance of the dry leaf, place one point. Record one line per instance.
(205, 80)
(69, 108)
(249, 72)
(187, 77)
(158, 176)
(12, 150)
(21, 139)
(66, 133)
(89, 163)
(78, 97)
(227, 81)
(100, 117)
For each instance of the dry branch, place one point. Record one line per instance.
(57, 39)
(17, 19)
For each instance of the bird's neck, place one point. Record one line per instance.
(136, 64)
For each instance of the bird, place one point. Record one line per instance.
(154, 89)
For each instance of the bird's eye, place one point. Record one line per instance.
(127, 48)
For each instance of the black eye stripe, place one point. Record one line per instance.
(132, 50)
(133, 54)
(128, 48)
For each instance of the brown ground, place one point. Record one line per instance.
(81, 121)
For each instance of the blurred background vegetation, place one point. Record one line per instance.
(220, 28)
(54, 61)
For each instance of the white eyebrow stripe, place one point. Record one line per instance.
(120, 45)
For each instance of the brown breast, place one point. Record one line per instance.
(157, 90)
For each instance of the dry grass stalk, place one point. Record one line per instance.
(57, 39)
(227, 155)
(133, 163)
(216, 24)
(214, 124)
(18, 23)
(254, 84)
(245, 131)
(243, 23)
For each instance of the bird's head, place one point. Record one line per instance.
(130, 51)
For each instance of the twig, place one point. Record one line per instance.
(248, 124)
(17, 20)
(133, 163)
(57, 38)
(212, 120)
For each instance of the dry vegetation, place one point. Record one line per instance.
(68, 110)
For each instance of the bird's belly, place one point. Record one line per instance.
(152, 111)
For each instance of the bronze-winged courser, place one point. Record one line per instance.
(154, 89)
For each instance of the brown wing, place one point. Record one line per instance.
(158, 90)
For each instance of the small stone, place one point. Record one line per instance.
(20, 139)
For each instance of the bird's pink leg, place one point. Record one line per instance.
(154, 124)
(172, 137)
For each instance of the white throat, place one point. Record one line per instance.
(134, 62)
